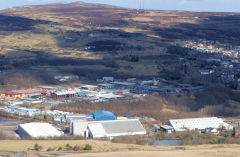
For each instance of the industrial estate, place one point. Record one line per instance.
(99, 124)
(92, 78)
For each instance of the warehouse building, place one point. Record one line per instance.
(111, 129)
(106, 86)
(63, 95)
(11, 95)
(38, 130)
(27, 93)
(198, 124)
(78, 127)
(71, 117)
(89, 87)
(104, 115)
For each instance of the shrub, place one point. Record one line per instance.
(87, 147)
(68, 147)
(37, 147)
(76, 148)
(59, 148)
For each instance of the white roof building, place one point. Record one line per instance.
(37, 130)
(70, 117)
(115, 128)
(89, 87)
(198, 123)
(109, 96)
(78, 127)
(65, 92)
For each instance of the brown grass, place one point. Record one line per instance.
(153, 106)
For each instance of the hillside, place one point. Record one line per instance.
(94, 40)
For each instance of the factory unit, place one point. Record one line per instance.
(123, 85)
(78, 127)
(108, 129)
(27, 93)
(38, 130)
(104, 115)
(63, 95)
(71, 117)
(106, 86)
(89, 87)
(198, 124)
(11, 95)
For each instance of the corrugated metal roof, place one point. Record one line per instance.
(116, 128)
(109, 96)
(97, 130)
(29, 91)
(37, 130)
(123, 126)
(196, 123)
(167, 127)
(103, 113)
(65, 92)
(78, 127)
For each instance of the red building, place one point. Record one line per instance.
(236, 131)
(63, 95)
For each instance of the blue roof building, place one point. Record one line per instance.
(104, 115)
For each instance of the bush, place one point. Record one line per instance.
(59, 148)
(76, 148)
(137, 139)
(87, 147)
(37, 147)
(68, 147)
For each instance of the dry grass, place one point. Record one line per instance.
(229, 151)
(107, 146)
(97, 146)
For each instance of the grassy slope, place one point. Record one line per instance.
(113, 149)
(98, 146)
(83, 17)
(231, 151)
